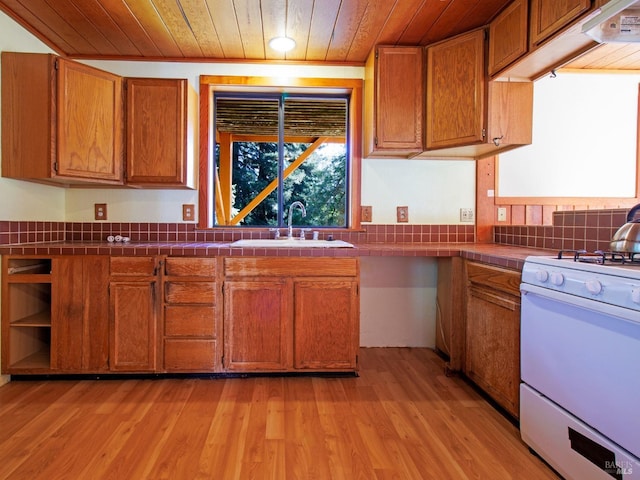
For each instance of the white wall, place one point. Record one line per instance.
(434, 190)
(397, 301)
(584, 139)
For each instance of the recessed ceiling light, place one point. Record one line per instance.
(282, 44)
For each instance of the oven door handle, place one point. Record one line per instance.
(585, 303)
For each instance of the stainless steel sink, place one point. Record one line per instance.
(290, 243)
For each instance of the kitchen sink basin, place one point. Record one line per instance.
(289, 243)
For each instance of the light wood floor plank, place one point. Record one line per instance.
(402, 418)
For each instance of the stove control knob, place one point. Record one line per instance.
(594, 286)
(542, 276)
(635, 295)
(557, 278)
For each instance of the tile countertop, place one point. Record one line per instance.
(496, 254)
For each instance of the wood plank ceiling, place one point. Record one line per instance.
(325, 31)
(609, 56)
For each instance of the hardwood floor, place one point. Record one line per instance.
(401, 419)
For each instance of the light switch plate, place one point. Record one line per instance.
(466, 215)
(366, 213)
(502, 214)
(188, 212)
(402, 214)
(100, 211)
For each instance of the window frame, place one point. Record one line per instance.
(211, 83)
(283, 109)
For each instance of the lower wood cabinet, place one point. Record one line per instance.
(164, 314)
(133, 314)
(492, 356)
(286, 314)
(257, 324)
(80, 326)
(191, 319)
(450, 313)
(325, 324)
(55, 314)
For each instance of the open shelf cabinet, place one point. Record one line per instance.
(26, 314)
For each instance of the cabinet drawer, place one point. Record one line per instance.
(189, 321)
(291, 267)
(190, 355)
(132, 265)
(190, 267)
(190, 292)
(496, 278)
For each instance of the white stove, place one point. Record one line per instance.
(580, 364)
(611, 282)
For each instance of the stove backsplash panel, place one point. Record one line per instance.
(571, 230)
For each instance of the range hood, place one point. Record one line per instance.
(618, 21)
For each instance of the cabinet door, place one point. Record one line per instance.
(508, 36)
(492, 357)
(27, 96)
(90, 122)
(456, 91)
(133, 325)
(156, 131)
(257, 325)
(493, 345)
(396, 109)
(80, 312)
(550, 16)
(326, 333)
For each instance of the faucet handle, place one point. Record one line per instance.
(303, 231)
(277, 232)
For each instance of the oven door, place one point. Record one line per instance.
(584, 356)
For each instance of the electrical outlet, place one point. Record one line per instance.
(402, 214)
(502, 214)
(100, 211)
(366, 214)
(188, 212)
(466, 215)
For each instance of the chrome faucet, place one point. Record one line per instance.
(304, 214)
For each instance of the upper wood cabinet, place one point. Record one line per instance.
(394, 102)
(555, 38)
(467, 116)
(550, 16)
(62, 121)
(508, 36)
(456, 91)
(158, 144)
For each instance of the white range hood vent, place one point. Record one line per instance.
(617, 22)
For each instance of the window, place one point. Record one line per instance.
(275, 149)
(267, 147)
